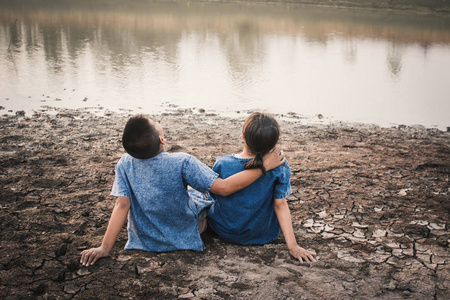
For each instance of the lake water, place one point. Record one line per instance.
(351, 65)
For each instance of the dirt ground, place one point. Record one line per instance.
(372, 202)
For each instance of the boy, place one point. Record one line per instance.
(151, 186)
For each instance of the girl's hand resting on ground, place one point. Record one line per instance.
(90, 256)
(273, 159)
(303, 255)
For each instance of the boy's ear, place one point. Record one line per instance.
(162, 140)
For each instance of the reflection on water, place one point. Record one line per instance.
(347, 64)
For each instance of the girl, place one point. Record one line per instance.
(255, 214)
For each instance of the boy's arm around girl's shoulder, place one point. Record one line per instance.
(238, 181)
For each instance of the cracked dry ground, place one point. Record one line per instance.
(373, 202)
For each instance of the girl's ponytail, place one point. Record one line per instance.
(256, 162)
(261, 133)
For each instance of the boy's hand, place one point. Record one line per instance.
(273, 159)
(90, 256)
(303, 255)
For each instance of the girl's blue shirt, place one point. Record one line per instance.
(163, 214)
(248, 216)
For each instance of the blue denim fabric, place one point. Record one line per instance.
(163, 216)
(248, 217)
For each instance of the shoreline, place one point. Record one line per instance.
(415, 6)
(372, 201)
(168, 108)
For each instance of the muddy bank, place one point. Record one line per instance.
(373, 202)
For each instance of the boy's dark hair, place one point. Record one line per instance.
(261, 133)
(140, 137)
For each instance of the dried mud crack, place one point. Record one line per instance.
(373, 202)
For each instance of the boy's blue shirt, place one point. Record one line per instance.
(248, 216)
(163, 215)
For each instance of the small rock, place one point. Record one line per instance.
(430, 266)
(71, 288)
(40, 289)
(322, 214)
(357, 225)
(327, 235)
(421, 247)
(83, 272)
(435, 226)
(392, 285)
(393, 260)
(359, 234)
(394, 234)
(347, 257)
(348, 229)
(182, 290)
(317, 228)
(338, 231)
(397, 253)
(381, 258)
(308, 223)
(419, 222)
(20, 113)
(35, 263)
(403, 192)
(438, 260)
(124, 258)
(328, 228)
(379, 233)
(62, 250)
(204, 293)
(186, 296)
(426, 258)
(393, 245)
(338, 216)
(408, 252)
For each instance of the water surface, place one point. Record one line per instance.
(351, 65)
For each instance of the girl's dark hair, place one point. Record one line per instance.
(140, 137)
(261, 133)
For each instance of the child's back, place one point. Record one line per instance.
(248, 216)
(160, 220)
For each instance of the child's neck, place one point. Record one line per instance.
(247, 153)
(161, 149)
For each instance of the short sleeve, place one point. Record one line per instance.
(198, 175)
(120, 186)
(283, 185)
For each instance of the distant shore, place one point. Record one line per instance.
(419, 6)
